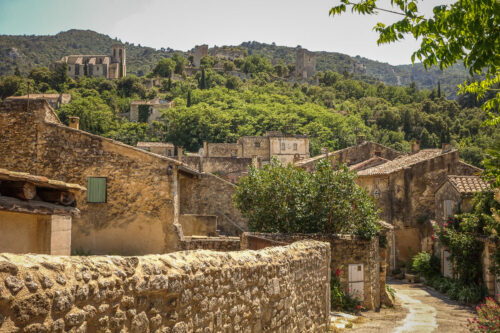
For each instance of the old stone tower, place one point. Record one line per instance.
(200, 51)
(305, 65)
(119, 56)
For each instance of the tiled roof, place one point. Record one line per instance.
(155, 144)
(468, 184)
(38, 180)
(401, 162)
(371, 162)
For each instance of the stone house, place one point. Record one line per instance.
(405, 190)
(54, 100)
(148, 111)
(200, 51)
(36, 213)
(161, 148)
(111, 67)
(134, 197)
(454, 196)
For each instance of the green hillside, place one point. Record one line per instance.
(27, 52)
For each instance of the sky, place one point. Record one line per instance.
(182, 24)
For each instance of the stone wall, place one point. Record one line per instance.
(198, 225)
(283, 289)
(228, 168)
(222, 150)
(211, 195)
(345, 250)
(221, 243)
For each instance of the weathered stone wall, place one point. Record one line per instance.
(345, 249)
(223, 150)
(211, 195)
(221, 243)
(283, 289)
(228, 168)
(286, 148)
(255, 146)
(446, 192)
(198, 225)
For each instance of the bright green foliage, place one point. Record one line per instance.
(466, 293)
(425, 264)
(95, 115)
(256, 64)
(467, 31)
(341, 299)
(180, 63)
(285, 199)
(488, 317)
(164, 67)
(130, 85)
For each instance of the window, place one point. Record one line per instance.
(257, 144)
(283, 146)
(97, 67)
(69, 68)
(169, 152)
(294, 146)
(96, 189)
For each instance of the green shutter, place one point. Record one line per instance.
(96, 189)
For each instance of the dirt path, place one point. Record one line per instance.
(418, 310)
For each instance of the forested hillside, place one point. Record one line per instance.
(26, 52)
(219, 107)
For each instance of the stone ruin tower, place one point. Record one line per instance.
(200, 51)
(305, 65)
(119, 57)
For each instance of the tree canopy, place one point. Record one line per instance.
(286, 199)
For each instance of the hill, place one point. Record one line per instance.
(26, 52)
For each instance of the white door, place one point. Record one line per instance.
(447, 264)
(357, 281)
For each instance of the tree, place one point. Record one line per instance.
(9, 86)
(180, 63)
(17, 72)
(164, 67)
(287, 199)
(203, 80)
(229, 66)
(467, 31)
(439, 89)
(188, 104)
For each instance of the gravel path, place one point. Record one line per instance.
(418, 309)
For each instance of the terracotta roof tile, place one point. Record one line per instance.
(401, 162)
(468, 184)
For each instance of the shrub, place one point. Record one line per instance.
(425, 264)
(464, 293)
(488, 317)
(342, 300)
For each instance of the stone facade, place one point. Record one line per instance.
(200, 51)
(228, 168)
(405, 191)
(347, 251)
(111, 67)
(283, 289)
(305, 64)
(54, 100)
(142, 206)
(211, 195)
(160, 148)
(154, 110)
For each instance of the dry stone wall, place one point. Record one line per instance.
(281, 289)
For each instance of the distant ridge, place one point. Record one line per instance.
(26, 52)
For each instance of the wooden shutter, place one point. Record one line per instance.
(96, 189)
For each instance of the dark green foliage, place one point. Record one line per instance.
(425, 264)
(164, 68)
(470, 293)
(188, 104)
(285, 199)
(144, 112)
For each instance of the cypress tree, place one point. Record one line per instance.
(439, 89)
(189, 99)
(17, 72)
(203, 82)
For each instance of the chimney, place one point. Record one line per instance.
(360, 139)
(415, 147)
(179, 154)
(205, 149)
(74, 122)
(446, 147)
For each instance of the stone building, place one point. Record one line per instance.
(305, 64)
(54, 100)
(405, 190)
(134, 198)
(200, 51)
(111, 67)
(148, 111)
(229, 53)
(161, 148)
(454, 196)
(36, 213)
